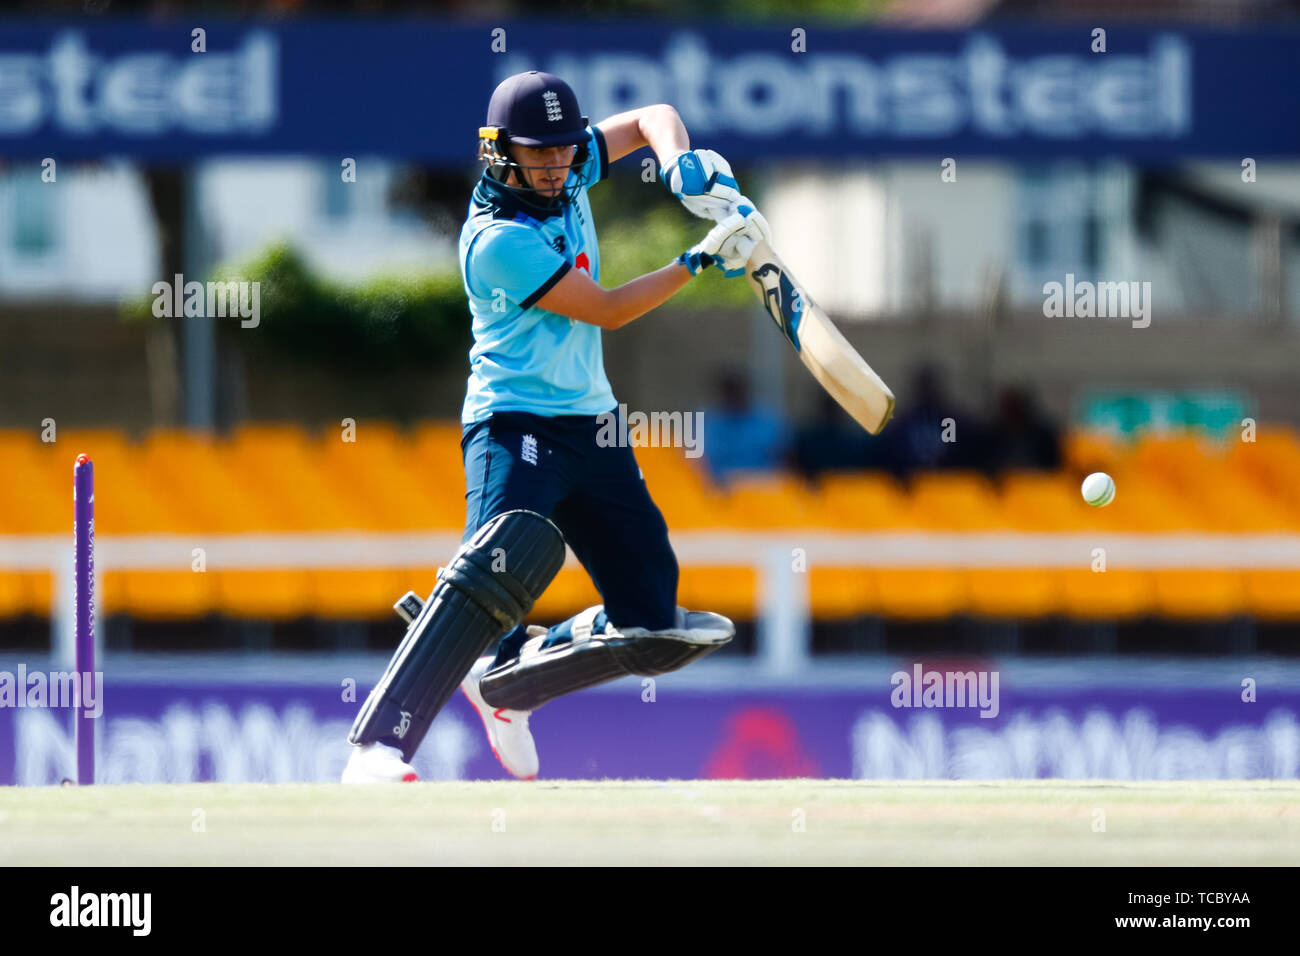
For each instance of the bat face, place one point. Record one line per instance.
(821, 347)
(781, 300)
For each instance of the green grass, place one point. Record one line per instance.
(649, 822)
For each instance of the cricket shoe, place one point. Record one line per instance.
(378, 763)
(507, 730)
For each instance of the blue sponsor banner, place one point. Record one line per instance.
(182, 731)
(418, 89)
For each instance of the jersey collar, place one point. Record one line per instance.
(507, 204)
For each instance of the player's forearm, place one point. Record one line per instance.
(634, 299)
(663, 131)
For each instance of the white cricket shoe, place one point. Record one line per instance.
(378, 763)
(507, 730)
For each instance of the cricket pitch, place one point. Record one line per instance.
(613, 822)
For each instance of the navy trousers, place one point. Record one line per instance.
(596, 497)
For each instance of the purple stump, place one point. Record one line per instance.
(83, 497)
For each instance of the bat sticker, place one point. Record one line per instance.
(782, 301)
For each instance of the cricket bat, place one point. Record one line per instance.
(823, 350)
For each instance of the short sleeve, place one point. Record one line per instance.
(515, 258)
(597, 166)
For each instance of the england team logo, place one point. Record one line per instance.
(553, 110)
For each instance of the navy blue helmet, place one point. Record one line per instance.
(538, 110)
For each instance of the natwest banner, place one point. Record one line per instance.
(180, 732)
(418, 89)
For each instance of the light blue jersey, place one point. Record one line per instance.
(524, 358)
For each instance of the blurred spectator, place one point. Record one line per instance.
(833, 442)
(738, 435)
(1021, 436)
(931, 432)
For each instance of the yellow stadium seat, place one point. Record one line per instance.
(357, 593)
(1015, 592)
(1107, 595)
(1043, 502)
(37, 498)
(862, 501)
(953, 501)
(1272, 594)
(727, 591)
(920, 593)
(379, 469)
(208, 491)
(1198, 593)
(158, 595)
(1087, 450)
(272, 594)
(13, 595)
(40, 592)
(759, 500)
(841, 592)
(298, 492)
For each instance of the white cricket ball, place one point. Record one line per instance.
(1099, 489)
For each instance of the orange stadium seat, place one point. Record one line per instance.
(279, 478)
(1272, 594)
(264, 593)
(13, 595)
(841, 592)
(1015, 592)
(862, 501)
(1106, 595)
(128, 498)
(38, 485)
(356, 593)
(1198, 593)
(728, 591)
(373, 469)
(680, 489)
(920, 593)
(158, 595)
(760, 500)
(1043, 502)
(953, 501)
(1088, 450)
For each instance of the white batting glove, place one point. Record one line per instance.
(735, 252)
(759, 230)
(703, 181)
(721, 247)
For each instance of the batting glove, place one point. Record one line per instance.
(715, 248)
(703, 181)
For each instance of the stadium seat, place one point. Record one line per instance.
(861, 501)
(728, 591)
(1106, 595)
(1272, 594)
(157, 595)
(953, 501)
(920, 593)
(264, 593)
(1015, 592)
(1198, 593)
(841, 592)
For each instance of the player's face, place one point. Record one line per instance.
(545, 169)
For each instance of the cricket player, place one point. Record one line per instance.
(537, 474)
